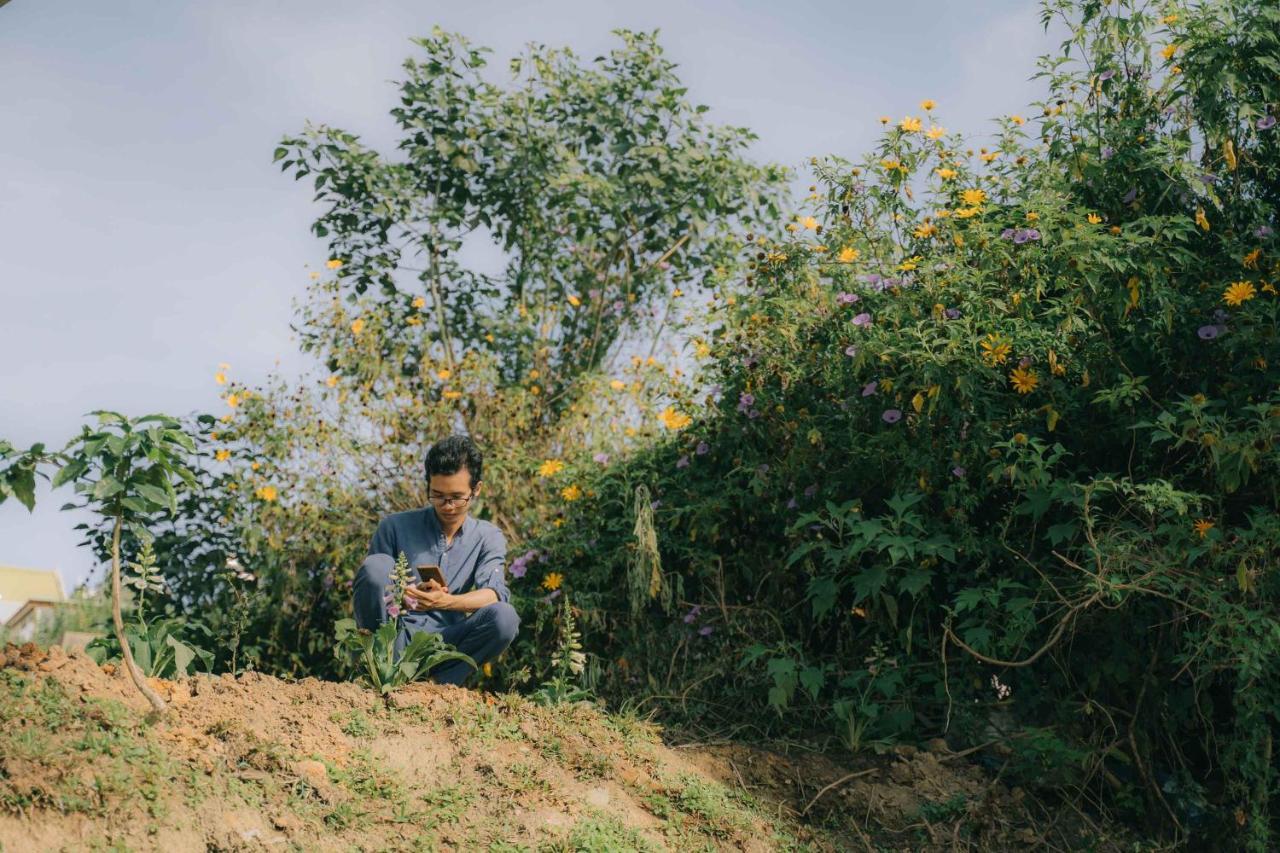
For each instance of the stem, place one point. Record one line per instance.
(157, 704)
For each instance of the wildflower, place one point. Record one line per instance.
(1094, 218)
(973, 197)
(1208, 332)
(987, 158)
(1239, 293)
(1266, 123)
(574, 300)
(571, 493)
(809, 223)
(884, 119)
(851, 350)
(220, 378)
(869, 388)
(333, 263)
(910, 124)
(847, 298)
(418, 302)
(705, 631)
(601, 458)
(847, 255)
(1024, 381)
(952, 313)
(935, 132)
(862, 320)
(1203, 526)
(692, 615)
(553, 580)
(927, 229)
(746, 401)
(1168, 51)
(891, 416)
(1023, 235)
(927, 104)
(683, 461)
(1018, 120)
(1250, 260)
(550, 468)
(966, 212)
(617, 385)
(233, 400)
(267, 493)
(393, 610)
(958, 471)
(945, 173)
(313, 275)
(702, 449)
(1201, 219)
(995, 350)
(1002, 690)
(357, 326)
(909, 264)
(222, 455)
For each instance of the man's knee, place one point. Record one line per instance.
(375, 572)
(505, 619)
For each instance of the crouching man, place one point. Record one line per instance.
(472, 611)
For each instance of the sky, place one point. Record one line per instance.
(146, 236)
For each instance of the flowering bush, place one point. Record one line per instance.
(1000, 412)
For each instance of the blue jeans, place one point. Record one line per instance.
(482, 636)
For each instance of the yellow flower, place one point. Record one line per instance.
(450, 394)
(222, 455)
(1019, 438)
(571, 493)
(935, 132)
(1115, 230)
(910, 124)
(973, 198)
(574, 300)
(679, 292)
(617, 385)
(220, 378)
(333, 263)
(419, 302)
(1023, 381)
(553, 580)
(1201, 220)
(1032, 216)
(487, 669)
(267, 493)
(966, 212)
(1250, 260)
(413, 321)
(1018, 120)
(550, 468)
(233, 400)
(889, 165)
(927, 104)
(909, 264)
(809, 222)
(357, 326)
(254, 466)
(1203, 526)
(1094, 219)
(945, 174)
(995, 350)
(314, 275)
(987, 158)
(792, 227)
(443, 373)
(884, 119)
(1239, 293)
(489, 337)
(847, 255)
(672, 419)
(942, 214)
(535, 373)
(1171, 18)
(1056, 367)
(927, 229)
(535, 390)
(1169, 51)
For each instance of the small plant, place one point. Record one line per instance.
(568, 663)
(375, 650)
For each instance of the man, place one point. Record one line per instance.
(472, 611)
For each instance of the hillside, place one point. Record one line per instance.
(254, 762)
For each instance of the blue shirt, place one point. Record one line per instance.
(475, 559)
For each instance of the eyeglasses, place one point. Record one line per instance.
(449, 503)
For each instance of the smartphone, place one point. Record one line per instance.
(431, 573)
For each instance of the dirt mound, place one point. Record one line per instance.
(255, 762)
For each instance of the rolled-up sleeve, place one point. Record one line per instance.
(491, 565)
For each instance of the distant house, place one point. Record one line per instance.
(27, 596)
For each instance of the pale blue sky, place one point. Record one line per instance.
(146, 236)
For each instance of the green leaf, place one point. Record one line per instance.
(70, 471)
(106, 487)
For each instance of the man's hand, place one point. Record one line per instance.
(429, 596)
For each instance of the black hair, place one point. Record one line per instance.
(452, 454)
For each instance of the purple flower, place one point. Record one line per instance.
(655, 504)
(863, 320)
(705, 631)
(602, 458)
(1208, 179)
(958, 471)
(1024, 362)
(1130, 195)
(692, 614)
(1263, 231)
(1022, 235)
(393, 610)
(847, 298)
(746, 401)
(811, 490)
(851, 350)
(1108, 152)
(1219, 316)
(871, 278)
(952, 313)
(753, 414)
(792, 504)
(1266, 123)
(594, 293)
(869, 388)
(702, 449)
(891, 416)
(518, 569)
(619, 306)
(683, 461)
(1007, 234)
(1107, 75)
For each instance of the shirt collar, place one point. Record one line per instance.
(433, 524)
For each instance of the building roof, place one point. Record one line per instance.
(18, 586)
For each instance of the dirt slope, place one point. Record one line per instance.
(254, 763)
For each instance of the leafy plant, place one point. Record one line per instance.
(568, 662)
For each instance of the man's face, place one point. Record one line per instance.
(444, 486)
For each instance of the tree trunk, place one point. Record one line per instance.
(139, 680)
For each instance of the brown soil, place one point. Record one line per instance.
(254, 762)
